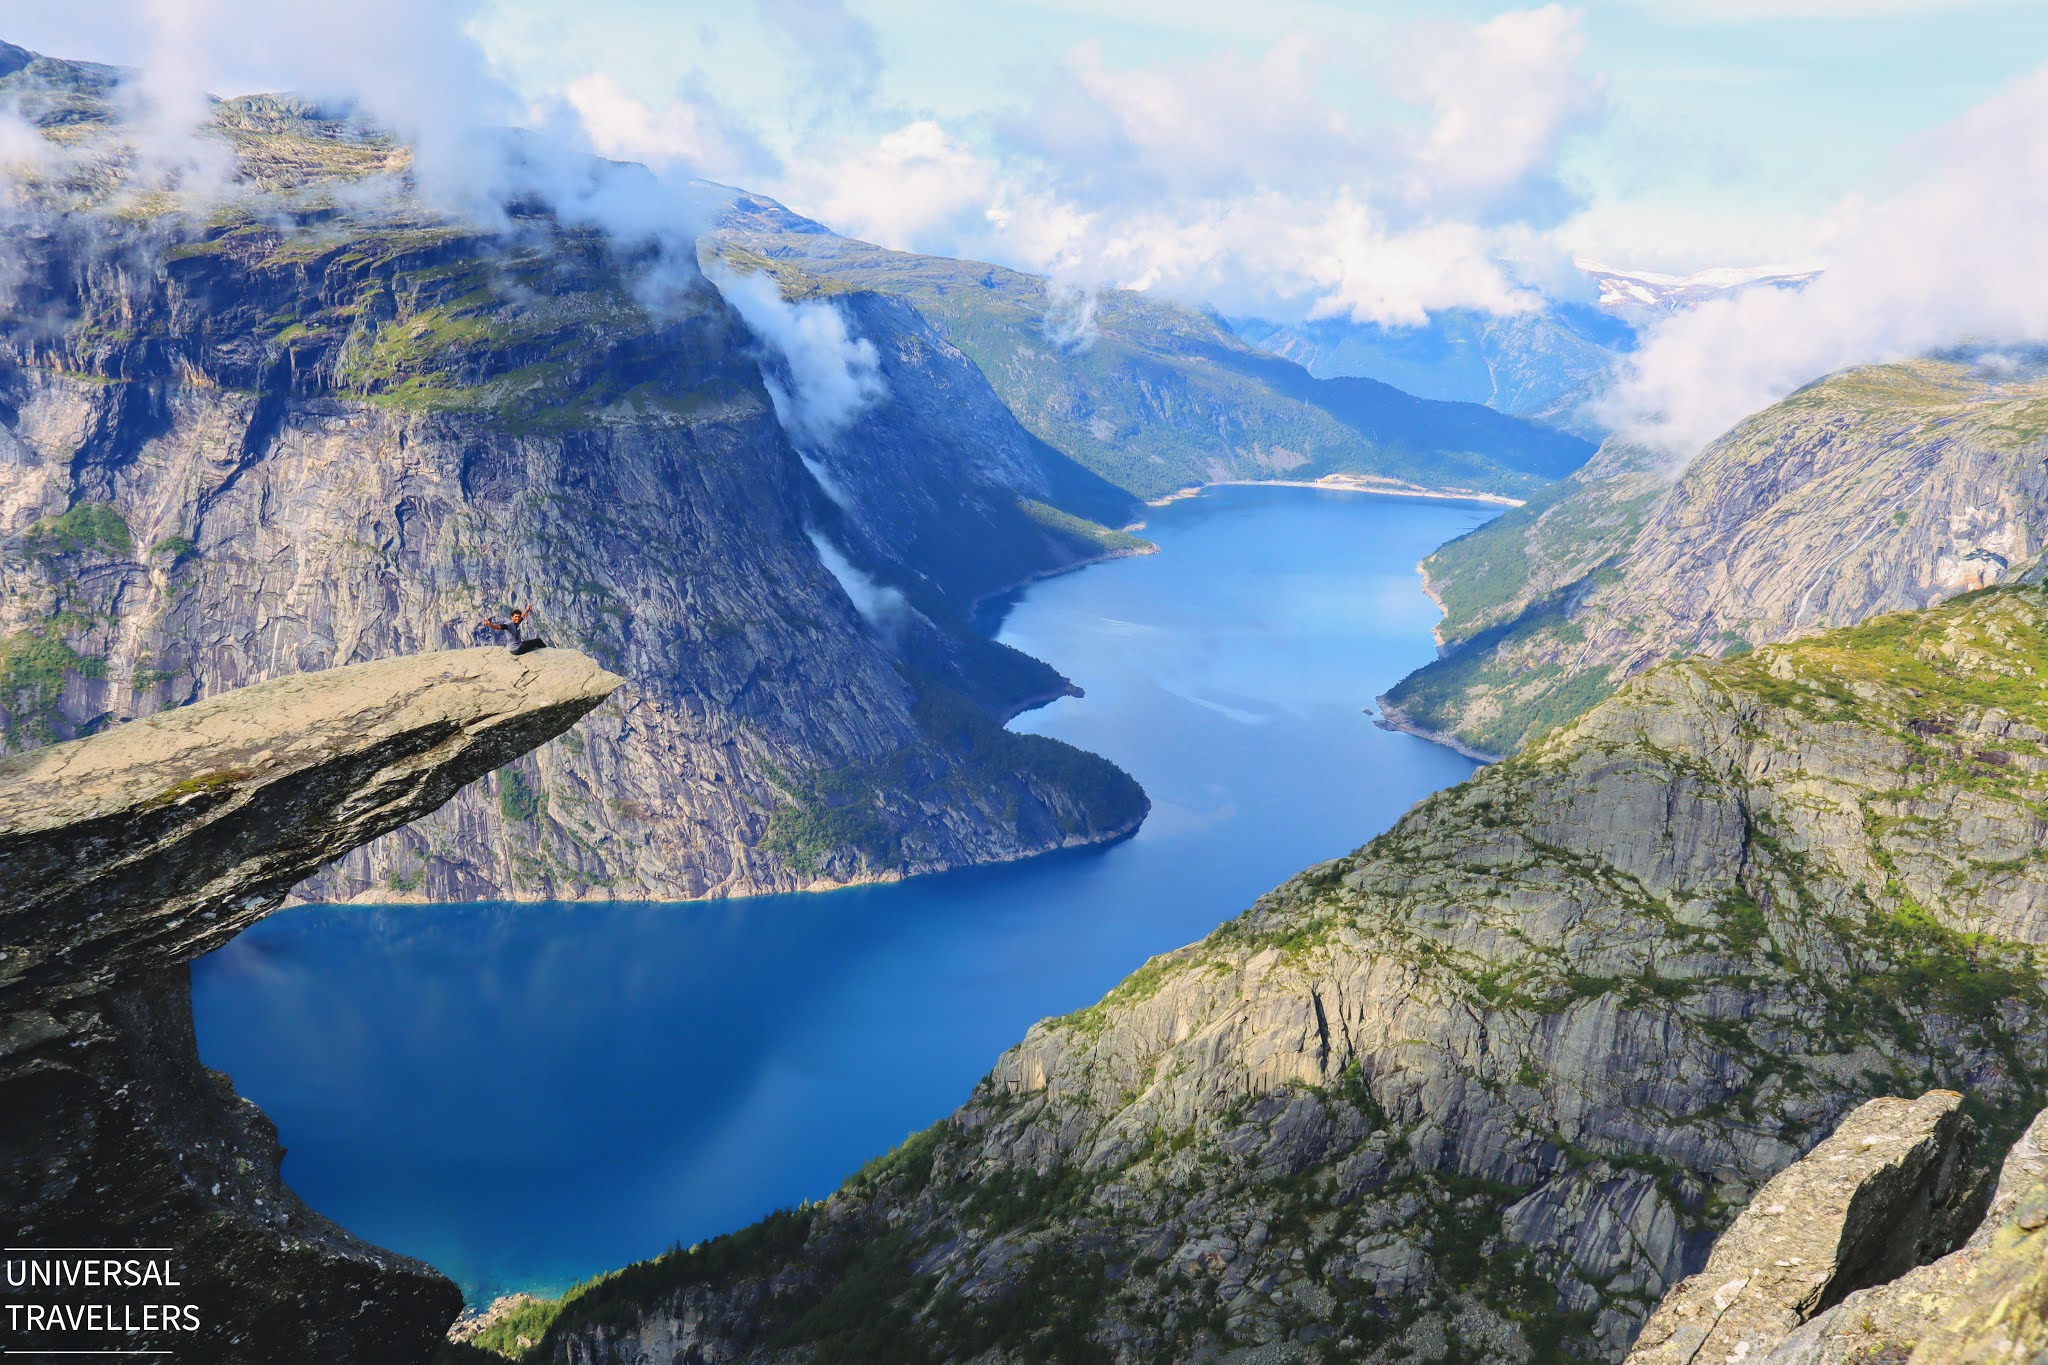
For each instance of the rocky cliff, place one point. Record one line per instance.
(1905, 1297)
(1486, 1088)
(1879, 489)
(126, 855)
(303, 427)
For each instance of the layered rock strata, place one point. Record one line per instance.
(126, 855)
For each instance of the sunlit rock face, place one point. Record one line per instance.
(319, 423)
(1490, 1086)
(124, 856)
(1883, 488)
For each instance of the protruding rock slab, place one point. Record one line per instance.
(1985, 1302)
(158, 841)
(124, 856)
(1892, 1189)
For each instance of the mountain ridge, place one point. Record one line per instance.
(1157, 397)
(1871, 490)
(1484, 1089)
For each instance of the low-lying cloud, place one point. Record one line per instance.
(1237, 179)
(880, 605)
(1957, 256)
(827, 376)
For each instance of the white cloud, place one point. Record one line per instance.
(1747, 11)
(691, 131)
(915, 183)
(1279, 254)
(1957, 256)
(880, 605)
(837, 46)
(1220, 125)
(831, 375)
(1502, 96)
(1234, 179)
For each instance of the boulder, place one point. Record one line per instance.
(1891, 1189)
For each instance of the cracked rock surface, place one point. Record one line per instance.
(125, 855)
(1490, 1086)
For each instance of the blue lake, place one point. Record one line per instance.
(525, 1095)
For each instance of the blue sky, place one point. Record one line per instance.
(1727, 132)
(1370, 160)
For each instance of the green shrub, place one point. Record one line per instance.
(518, 801)
(88, 526)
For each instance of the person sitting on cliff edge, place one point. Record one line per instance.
(514, 629)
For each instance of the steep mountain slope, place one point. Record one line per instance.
(1485, 1088)
(1542, 365)
(1877, 489)
(312, 429)
(1155, 396)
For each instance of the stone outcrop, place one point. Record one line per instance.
(1489, 1087)
(125, 855)
(1886, 488)
(284, 437)
(1889, 1190)
(1985, 1302)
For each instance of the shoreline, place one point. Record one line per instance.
(1392, 717)
(1041, 575)
(1436, 632)
(882, 877)
(1340, 483)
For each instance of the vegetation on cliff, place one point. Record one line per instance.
(1485, 1088)
(1155, 396)
(343, 424)
(1874, 490)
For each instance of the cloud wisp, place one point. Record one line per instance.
(1955, 257)
(880, 605)
(1236, 178)
(820, 376)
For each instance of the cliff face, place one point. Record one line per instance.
(1486, 1088)
(126, 855)
(1880, 489)
(294, 436)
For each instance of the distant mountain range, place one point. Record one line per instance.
(1156, 396)
(1546, 365)
(1640, 297)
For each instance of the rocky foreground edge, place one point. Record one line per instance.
(124, 856)
(1864, 1252)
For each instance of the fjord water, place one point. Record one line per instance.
(525, 1095)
